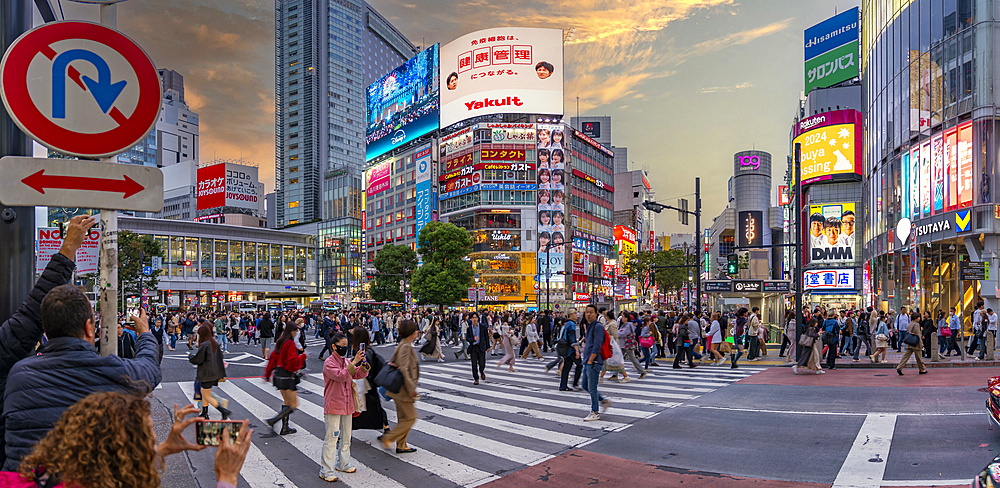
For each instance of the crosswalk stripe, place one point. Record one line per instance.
(537, 378)
(580, 406)
(665, 376)
(257, 470)
(520, 429)
(308, 444)
(441, 466)
(496, 448)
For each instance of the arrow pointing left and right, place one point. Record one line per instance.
(77, 183)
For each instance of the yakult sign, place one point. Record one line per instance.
(502, 70)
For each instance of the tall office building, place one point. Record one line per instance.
(326, 54)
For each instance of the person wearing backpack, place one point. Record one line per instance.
(831, 337)
(593, 357)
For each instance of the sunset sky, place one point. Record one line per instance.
(687, 82)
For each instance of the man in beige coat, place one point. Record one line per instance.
(913, 329)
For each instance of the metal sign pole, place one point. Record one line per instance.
(109, 244)
(17, 271)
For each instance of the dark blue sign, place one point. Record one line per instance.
(832, 33)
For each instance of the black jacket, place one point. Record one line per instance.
(20, 332)
(209, 361)
(484, 335)
(67, 369)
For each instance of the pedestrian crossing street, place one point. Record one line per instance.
(466, 435)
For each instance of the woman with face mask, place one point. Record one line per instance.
(284, 364)
(339, 374)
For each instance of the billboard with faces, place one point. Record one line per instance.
(551, 158)
(831, 236)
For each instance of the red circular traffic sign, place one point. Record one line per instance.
(80, 88)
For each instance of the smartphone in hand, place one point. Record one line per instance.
(209, 432)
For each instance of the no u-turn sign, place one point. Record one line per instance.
(80, 88)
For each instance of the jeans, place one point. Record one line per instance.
(857, 348)
(943, 344)
(592, 372)
(647, 357)
(338, 429)
(221, 339)
(173, 341)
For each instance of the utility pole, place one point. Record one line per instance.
(697, 250)
(109, 241)
(17, 270)
(798, 248)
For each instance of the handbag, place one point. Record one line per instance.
(945, 332)
(357, 397)
(390, 378)
(911, 340)
(806, 341)
(646, 341)
(726, 347)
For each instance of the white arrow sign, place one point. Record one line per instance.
(74, 183)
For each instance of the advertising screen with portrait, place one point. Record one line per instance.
(502, 70)
(403, 105)
(831, 146)
(551, 207)
(831, 236)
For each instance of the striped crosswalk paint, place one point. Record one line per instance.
(465, 435)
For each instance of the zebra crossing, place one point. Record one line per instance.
(465, 436)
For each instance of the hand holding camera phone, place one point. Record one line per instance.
(209, 432)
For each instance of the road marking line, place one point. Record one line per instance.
(864, 466)
(804, 412)
(927, 482)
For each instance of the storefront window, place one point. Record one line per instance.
(176, 254)
(276, 262)
(496, 240)
(249, 256)
(206, 257)
(289, 252)
(300, 264)
(236, 259)
(262, 263)
(221, 258)
(191, 254)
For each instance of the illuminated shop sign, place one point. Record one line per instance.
(595, 181)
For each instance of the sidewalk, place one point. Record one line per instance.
(891, 360)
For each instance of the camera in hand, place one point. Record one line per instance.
(209, 432)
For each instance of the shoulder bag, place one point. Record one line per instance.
(911, 339)
(806, 341)
(390, 378)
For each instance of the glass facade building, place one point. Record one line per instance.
(930, 147)
(326, 54)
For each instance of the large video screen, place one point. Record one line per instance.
(502, 70)
(403, 105)
(831, 146)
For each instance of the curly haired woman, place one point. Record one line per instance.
(107, 440)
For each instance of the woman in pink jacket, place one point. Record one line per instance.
(338, 407)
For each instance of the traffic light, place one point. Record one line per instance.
(183, 263)
(734, 264)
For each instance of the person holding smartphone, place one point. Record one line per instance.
(339, 391)
(211, 369)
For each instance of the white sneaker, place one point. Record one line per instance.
(605, 404)
(441, 360)
(591, 417)
(795, 369)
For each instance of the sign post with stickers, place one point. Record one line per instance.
(84, 90)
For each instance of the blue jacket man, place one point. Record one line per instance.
(67, 369)
(593, 362)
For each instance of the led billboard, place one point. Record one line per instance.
(831, 236)
(939, 172)
(831, 146)
(403, 105)
(502, 70)
(229, 185)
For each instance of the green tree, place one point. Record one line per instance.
(130, 247)
(638, 266)
(668, 279)
(445, 275)
(392, 262)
